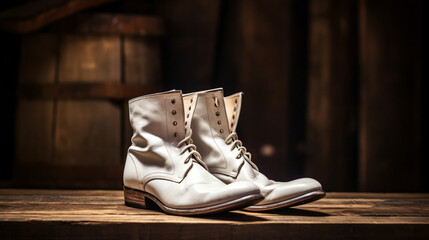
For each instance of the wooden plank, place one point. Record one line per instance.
(88, 132)
(39, 57)
(34, 119)
(85, 91)
(89, 59)
(83, 214)
(390, 120)
(190, 44)
(257, 58)
(108, 23)
(332, 97)
(48, 175)
(142, 60)
(34, 15)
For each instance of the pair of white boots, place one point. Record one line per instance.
(163, 166)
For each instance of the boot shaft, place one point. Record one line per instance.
(159, 124)
(213, 121)
(159, 115)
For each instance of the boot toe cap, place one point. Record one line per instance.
(281, 191)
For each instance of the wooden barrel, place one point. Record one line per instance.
(72, 127)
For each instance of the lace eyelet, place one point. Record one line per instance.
(173, 101)
(175, 123)
(221, 130)
(217, 113)
(174, 112)
(219, 122)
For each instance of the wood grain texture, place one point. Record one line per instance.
(257, 59)
(88, 132)
(89, 58)
(34, 119)
(84, 176)
(142, 56)
(84, 91)
(332, 97)
(83, 214)
(190, 42)
(109, 24)
(390, 95)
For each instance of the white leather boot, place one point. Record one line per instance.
(214, 125)
(163, 166)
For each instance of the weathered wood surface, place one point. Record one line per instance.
(86, 214)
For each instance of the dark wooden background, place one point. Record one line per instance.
(333, 89)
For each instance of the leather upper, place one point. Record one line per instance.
(224, 160)
(156, 132)
(211, 127)
(157, 165)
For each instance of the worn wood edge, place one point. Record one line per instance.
(60, 230)
(329, 195)
(233, 218)
(36, 21)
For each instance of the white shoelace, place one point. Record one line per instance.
(233, 138)
(192, 150)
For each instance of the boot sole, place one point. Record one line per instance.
(305, 198)
(140, 199)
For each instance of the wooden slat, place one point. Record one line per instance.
(257, 58)
(189, 46)
(85, 91)
(107, 23)
(332, 97)
(34, 119)
(390, 94)
(47, 175)
(89, 59)
(35, 14)
(83, 214)
(87, 133)
(142, 60)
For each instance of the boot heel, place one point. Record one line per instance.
(137, 199)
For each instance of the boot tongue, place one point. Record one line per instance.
(233, 107)
(189, 103)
